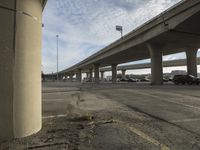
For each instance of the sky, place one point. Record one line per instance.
(86, 26)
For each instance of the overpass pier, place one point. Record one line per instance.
(20, 67)
(191, 55)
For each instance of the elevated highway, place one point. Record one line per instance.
(175, 30)
(124, 68)
(169, 63)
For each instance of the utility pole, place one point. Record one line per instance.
(57, 36)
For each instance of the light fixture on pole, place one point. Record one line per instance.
(120, 29)
(57, 36)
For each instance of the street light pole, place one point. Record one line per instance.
(57, 36)
(120, 29)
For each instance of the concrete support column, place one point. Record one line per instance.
(71, 76)
(90, 75)
(102, 75)
(87, 75)
(79, 76)
(114, 73)
(66, 76)
(191, 54)
(123, 74)
(63, 75)
(156, 64)
(96, 73)
(20, 68)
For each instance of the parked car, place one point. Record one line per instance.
(144, 80)
(165, 80)
(171, 79)
(124, 80)
(132, 80)
(185, 79)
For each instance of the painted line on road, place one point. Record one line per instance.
(55, 116)
(185, 120)
(180, 95)
(145, 136)
(171, 101)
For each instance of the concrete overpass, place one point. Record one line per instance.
(169, 63)
(124, 68)
(20, 67)
(175, 30)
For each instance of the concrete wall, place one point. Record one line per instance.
(20, 68)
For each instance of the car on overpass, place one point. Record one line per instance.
(185, 79)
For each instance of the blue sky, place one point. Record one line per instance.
(86, 26)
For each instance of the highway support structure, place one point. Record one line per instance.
(20, 68)
(156, 63)
(90, 74)
(114, 73)
(79, 76)
(96, 73)
(123, 73)
(191, 55)
(102, 75)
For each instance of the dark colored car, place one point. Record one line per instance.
(170, 79)
(185, 79)
(132, 80)
(144, 80)
(123, 80)
(165, 80)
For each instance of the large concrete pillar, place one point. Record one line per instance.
(96, 73)
(156, 64)
(71, 76)
(102, 75)
(191, 54)
(87, 75)
(20, 68)
(114, 73)
(66, 76)
(90, 75)
(79, 75)
(123, 74)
